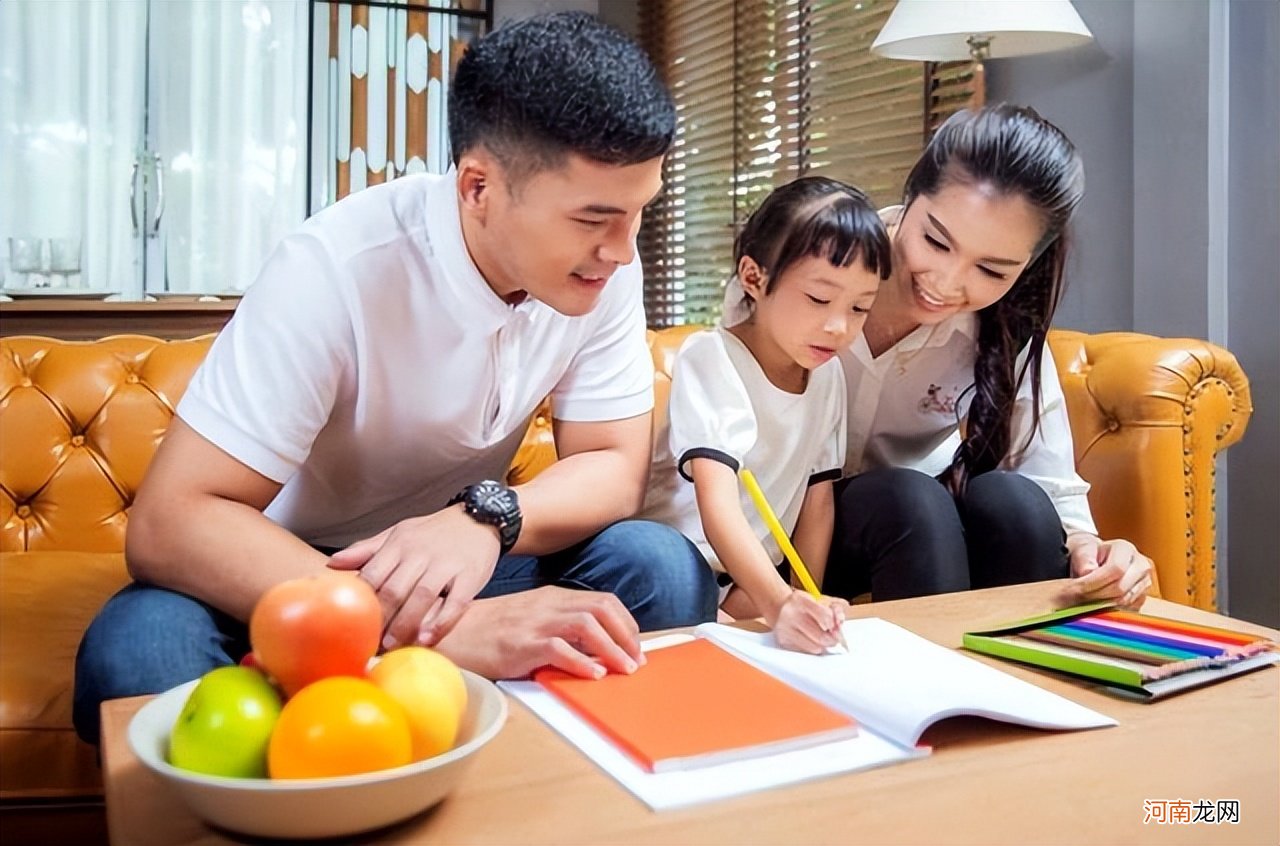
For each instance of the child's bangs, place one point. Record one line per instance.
(841, 231)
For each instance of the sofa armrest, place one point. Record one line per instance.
(47, 602)
(1148, 417)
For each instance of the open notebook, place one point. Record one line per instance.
(892, 682)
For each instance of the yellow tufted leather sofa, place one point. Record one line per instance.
(80, 421)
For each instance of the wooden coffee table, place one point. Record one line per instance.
(986, 782)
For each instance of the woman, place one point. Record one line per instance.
(960, 462)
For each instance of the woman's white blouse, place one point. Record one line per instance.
(905, 409)
(723, 407)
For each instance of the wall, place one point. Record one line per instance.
(504, 10)
(1088, 92)
(624, 14)
(1173, 56)
(1253, 304)
(1176, 109)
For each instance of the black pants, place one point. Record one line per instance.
(900, 533)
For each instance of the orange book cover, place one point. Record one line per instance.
(696, 704)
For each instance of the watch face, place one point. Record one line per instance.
(493, 499)
(497, 505)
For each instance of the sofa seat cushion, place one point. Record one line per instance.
(47, 600)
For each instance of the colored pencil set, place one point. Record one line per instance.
(1142, 654)
(1154, 647)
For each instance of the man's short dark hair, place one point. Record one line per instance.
(534, 90)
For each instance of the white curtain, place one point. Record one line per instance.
(229, 121)
(71, 110)
(226, 115)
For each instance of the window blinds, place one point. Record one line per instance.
(767, 90)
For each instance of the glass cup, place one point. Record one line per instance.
(27, 262)
(64, 260)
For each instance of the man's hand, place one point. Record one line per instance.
(581, 632)
(426, 571)
(1107, 570)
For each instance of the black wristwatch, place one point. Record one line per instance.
(493, 504)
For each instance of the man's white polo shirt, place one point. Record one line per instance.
(373, 371)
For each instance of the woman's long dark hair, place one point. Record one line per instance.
(1018, 153)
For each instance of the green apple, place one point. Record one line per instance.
(225, 724)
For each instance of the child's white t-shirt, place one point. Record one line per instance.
(723, 407)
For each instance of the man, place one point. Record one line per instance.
(379, 375)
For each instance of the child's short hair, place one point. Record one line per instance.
(537, 89)
(814, 216)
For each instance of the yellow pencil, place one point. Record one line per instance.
(784, 542)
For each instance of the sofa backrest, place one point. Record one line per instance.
(79, 422)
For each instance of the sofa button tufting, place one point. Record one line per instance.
(1113, 425)
(77, 440)
(25, 381)
(24, 511)
(132, 379)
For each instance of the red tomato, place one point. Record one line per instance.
(307, 629)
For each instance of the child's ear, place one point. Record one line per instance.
(753, 278)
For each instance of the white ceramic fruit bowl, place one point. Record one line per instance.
(320, 807)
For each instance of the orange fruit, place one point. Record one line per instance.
(339, 726)
(430, 689)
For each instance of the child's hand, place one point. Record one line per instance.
(809, 625)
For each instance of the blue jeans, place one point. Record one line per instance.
(148, 639)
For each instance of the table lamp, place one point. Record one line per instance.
(956, 30)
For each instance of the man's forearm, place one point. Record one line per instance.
(577, 497)
(220, 551)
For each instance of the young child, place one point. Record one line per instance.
(762, 391)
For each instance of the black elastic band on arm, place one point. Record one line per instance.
(824, 476)
(705, 452)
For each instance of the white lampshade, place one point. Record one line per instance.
(940, 30)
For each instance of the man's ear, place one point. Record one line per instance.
(476, 177)
(753, 278)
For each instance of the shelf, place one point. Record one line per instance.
(86, 320)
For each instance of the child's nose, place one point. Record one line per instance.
(837, 324)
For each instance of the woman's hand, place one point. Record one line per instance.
(805, 624)
(1112, 569)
